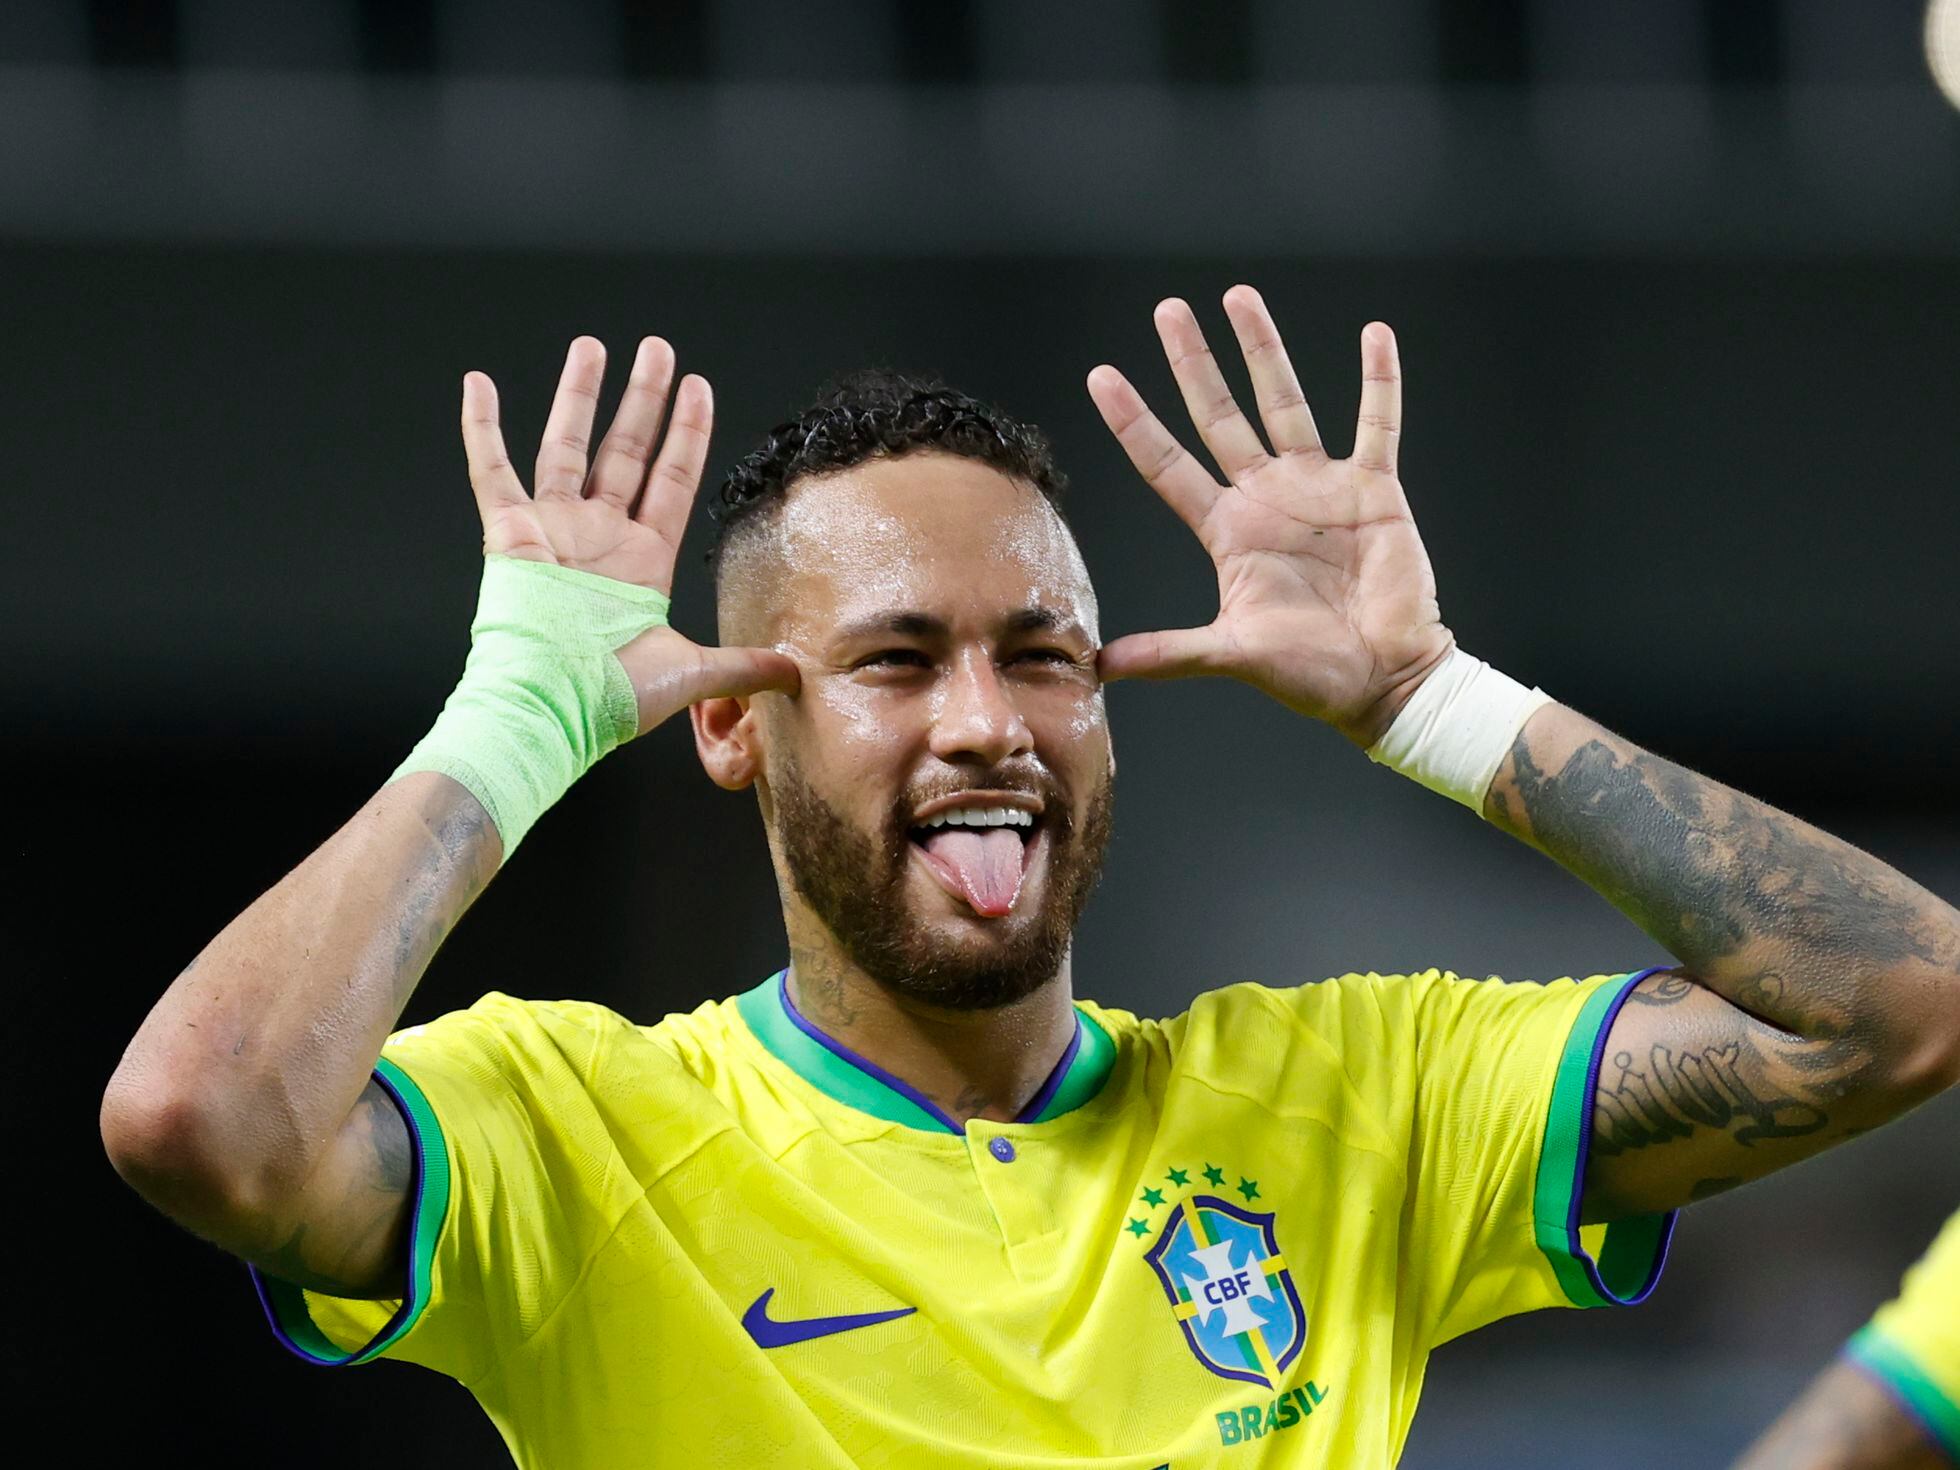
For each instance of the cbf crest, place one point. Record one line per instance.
(1230, 1290)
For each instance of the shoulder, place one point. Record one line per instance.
(550, 1049)
(1347, 1011)
(1931, 1292)
(1338, 1053)
(575, 1071)
(1344, 1011)
(1378, 1034)
(505, 1025)
(700, 1042)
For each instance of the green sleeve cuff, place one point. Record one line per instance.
(1898, 1371)
(285, 1304)
(1633, 1252)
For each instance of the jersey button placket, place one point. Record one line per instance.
(1013, 1174)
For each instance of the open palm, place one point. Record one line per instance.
(619, 517)
(1325, 595)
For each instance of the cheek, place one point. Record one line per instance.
(1090, 720)
(844, 713)
(1077, 728)
(861, 741)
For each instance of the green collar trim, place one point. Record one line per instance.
(838, 1072)
(1087, 1072)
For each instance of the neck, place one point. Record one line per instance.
(971, 1064)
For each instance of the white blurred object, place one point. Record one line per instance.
(1943, 46)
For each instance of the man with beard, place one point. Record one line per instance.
(910, 1201)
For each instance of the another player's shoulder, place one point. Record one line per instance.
(1932, 1284)
(1943, 1260)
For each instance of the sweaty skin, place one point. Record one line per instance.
(940, 636)
(946, 632)
(243, 1107)
(1818, 991)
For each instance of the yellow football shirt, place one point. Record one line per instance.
(1912, 1344)
(1228, 1239)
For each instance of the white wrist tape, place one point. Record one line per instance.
(1454, 732)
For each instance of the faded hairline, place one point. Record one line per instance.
(750, 558)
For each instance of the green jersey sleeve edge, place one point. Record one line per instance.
(1630, 1260)
(285, 1304)
(1897, 1371)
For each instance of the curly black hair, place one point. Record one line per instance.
(878, 414)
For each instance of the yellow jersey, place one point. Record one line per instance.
(1912, 1344)
(1229, 1239)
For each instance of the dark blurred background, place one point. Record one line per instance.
(1676, 283)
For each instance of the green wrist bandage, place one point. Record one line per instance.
(542, 697)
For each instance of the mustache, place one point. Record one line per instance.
(1053, 794)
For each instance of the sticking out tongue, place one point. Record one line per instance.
(984, 862)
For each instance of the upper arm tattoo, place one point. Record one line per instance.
(1818, 974)
(1695, 1096)
(1729, 1084)
(351, 1238)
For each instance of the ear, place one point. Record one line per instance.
(727, 740)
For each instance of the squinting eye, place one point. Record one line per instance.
(896, 658)
(1046, 655)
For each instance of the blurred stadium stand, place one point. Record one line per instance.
(1119, 127)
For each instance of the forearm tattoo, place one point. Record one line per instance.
(454, 865)
(1711, 873)
(1815, 940)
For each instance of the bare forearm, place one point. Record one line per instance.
(1792, 925)
(257, 1053)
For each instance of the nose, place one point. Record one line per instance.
(978, 722)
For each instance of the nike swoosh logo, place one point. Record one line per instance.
(769, 1333)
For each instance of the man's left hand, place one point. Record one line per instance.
(1325, 596)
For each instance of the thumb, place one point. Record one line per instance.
(725, 673)
(1171, 653)
(669, 672)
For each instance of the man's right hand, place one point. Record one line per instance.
(245, 1107)
(620, 515)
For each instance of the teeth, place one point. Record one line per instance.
(988, 816)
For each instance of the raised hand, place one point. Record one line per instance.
(617, 517)
(1325, 596)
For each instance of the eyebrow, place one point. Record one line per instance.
(909, 624)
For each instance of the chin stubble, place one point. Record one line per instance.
(854, 881)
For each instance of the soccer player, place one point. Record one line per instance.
(1892, 1400)
(910, 1200)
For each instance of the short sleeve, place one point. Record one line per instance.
(1912, 1344)
(1504, 1079)
(511, 1192)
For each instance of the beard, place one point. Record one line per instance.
(855, 882)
